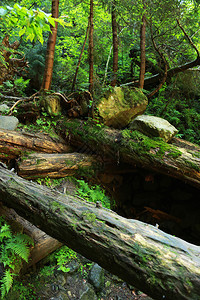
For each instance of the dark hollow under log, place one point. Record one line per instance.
(136, 149)
(161, 265)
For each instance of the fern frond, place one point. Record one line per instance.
(5, 232)
(19, 249)
(6, 283)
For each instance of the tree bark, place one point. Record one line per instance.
(91, 49)
(13, 144)
(48, 72)
(142, 49)
(136, 149)
(115, 45)
(161, 265)
(58, 165)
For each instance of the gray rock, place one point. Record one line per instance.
(73, 265)
(121, 105)
(154, 127)
(96, 277)
(61, 296)
(9, 123)
(89, 294)
(4, 108)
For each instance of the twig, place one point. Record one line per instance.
(20, 100)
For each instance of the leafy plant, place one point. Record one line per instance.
(63, 257)
(13, 250)
(92, 193)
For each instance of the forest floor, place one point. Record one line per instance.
(85, 281)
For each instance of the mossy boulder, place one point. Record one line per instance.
(154, 127)
(121, 105)
(52, 104)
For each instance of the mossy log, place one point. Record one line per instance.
(58, 165)
(161, 265)
(14, 143)
(136, 149)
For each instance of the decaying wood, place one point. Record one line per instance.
(58, 165)
(136, 149)
(43, 243)
(161, 265)
(14, 143)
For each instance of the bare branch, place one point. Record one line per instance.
(188, 38)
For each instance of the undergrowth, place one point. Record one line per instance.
(181, 112)
(14, 248)
(93, 193)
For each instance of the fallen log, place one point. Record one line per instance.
(14, 143)
(136, 149)
(161, 265)
(58, 165)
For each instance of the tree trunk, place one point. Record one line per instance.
(115, 45)
(136, 149)
(13, 144)
(161, 265)
(79, 61)
(48, 72)
(142, 49)
(58, 165)
(91, 49)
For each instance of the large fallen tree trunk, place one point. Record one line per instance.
(14, 143)
(58, 165)
(136, 149)
(163, 266)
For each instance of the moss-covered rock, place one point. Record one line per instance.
(154, 127)
(52, 104)
(121, 105)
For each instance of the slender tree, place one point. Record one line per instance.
(142, 48)
(115, 45)
(91, 48)
(79, 60)
(47, 78)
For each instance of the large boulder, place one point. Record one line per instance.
(121, 105)
(154, 127)
(8, 122)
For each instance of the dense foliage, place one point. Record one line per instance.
(14, 248)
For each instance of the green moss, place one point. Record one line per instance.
(142, 144)
(195, 154)
(57, 207)
(91, 217)
(192, 165)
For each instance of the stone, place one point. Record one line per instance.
(154, 127)
(96, 277)
(52, 104)
(4, 108)
(60, 296)
(88, 294)
(121, 105)
(8, 122)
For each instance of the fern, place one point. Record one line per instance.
(13, 249)
(6, 283)
(5, 232)
(19, 245)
